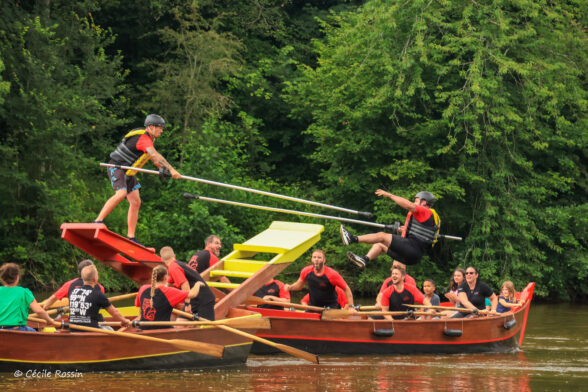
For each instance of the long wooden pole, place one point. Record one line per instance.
(260, 301)
(251, 322)
(241, 188)
(392, 227)
(111, 299)
(282, 347)
(463, 310)
(331, 314)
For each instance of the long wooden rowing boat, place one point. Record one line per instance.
(360, 335)
(86, 351)
(63, 350)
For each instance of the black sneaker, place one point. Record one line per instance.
(355, 259)
(346, 236)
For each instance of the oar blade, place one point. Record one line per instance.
(249, 323)
(214, 350)
(297, 353)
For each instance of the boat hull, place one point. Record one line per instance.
(91, 352)
(357, 336)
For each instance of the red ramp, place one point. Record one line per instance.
(121, 254)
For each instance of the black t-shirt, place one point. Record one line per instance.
(321, 289)
(85, 303)
(164, 301)
(395, 300)
(269, 289)
(478, 295)
(205, 296)
(200, 261)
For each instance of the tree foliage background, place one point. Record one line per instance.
(483, 103)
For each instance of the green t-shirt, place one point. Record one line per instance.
(14, 305)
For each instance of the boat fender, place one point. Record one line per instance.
(509, 324)
(454, 333)
(384, 332)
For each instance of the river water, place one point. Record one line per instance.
(554, 357)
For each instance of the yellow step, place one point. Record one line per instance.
(236, 274)
(243, 265)
(223, 285)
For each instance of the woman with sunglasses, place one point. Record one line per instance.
(473, 293)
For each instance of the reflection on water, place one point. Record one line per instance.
(554, 357)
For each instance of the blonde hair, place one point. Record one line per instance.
(511, 290)
(89, 273)
(167, 253)
(157, 275)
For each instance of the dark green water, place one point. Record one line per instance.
(554, 357)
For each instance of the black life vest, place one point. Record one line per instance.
(127, 154)
(426, 231)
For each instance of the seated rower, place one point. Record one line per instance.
(507, 299)
(157, 300)
(274, 291)
(86, 301)
(473, 293)
(341, 298)
(388, 282)
(64, 289)
(395, 296)
(429, 291)
(184, 277)
(15, 301)
(322, 281)
(457, 279)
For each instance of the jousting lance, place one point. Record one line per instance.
(394, 227)
(363, 214)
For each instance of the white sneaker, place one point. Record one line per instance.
(355, 259)
(345, 235)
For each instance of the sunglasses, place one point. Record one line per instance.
(470, 273)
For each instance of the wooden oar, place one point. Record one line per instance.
(60, 303)
(260, 301)
(282, 347)
(362, 308)
(111, 299)
(238, 322)
(464, 310)
(214, 350)
(331, 314)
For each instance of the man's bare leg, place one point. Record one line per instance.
(133, 216)
(375, 238)
(111, 203)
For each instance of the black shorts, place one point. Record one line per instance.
(406, 250)
(120, 180)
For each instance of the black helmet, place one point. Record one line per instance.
(427, 196)
(154, 119)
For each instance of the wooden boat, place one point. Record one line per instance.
(356, 335)
(82, 351)
(67, 351)
(360, 335)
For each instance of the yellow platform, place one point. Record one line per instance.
(285, 240)
(259, 259)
